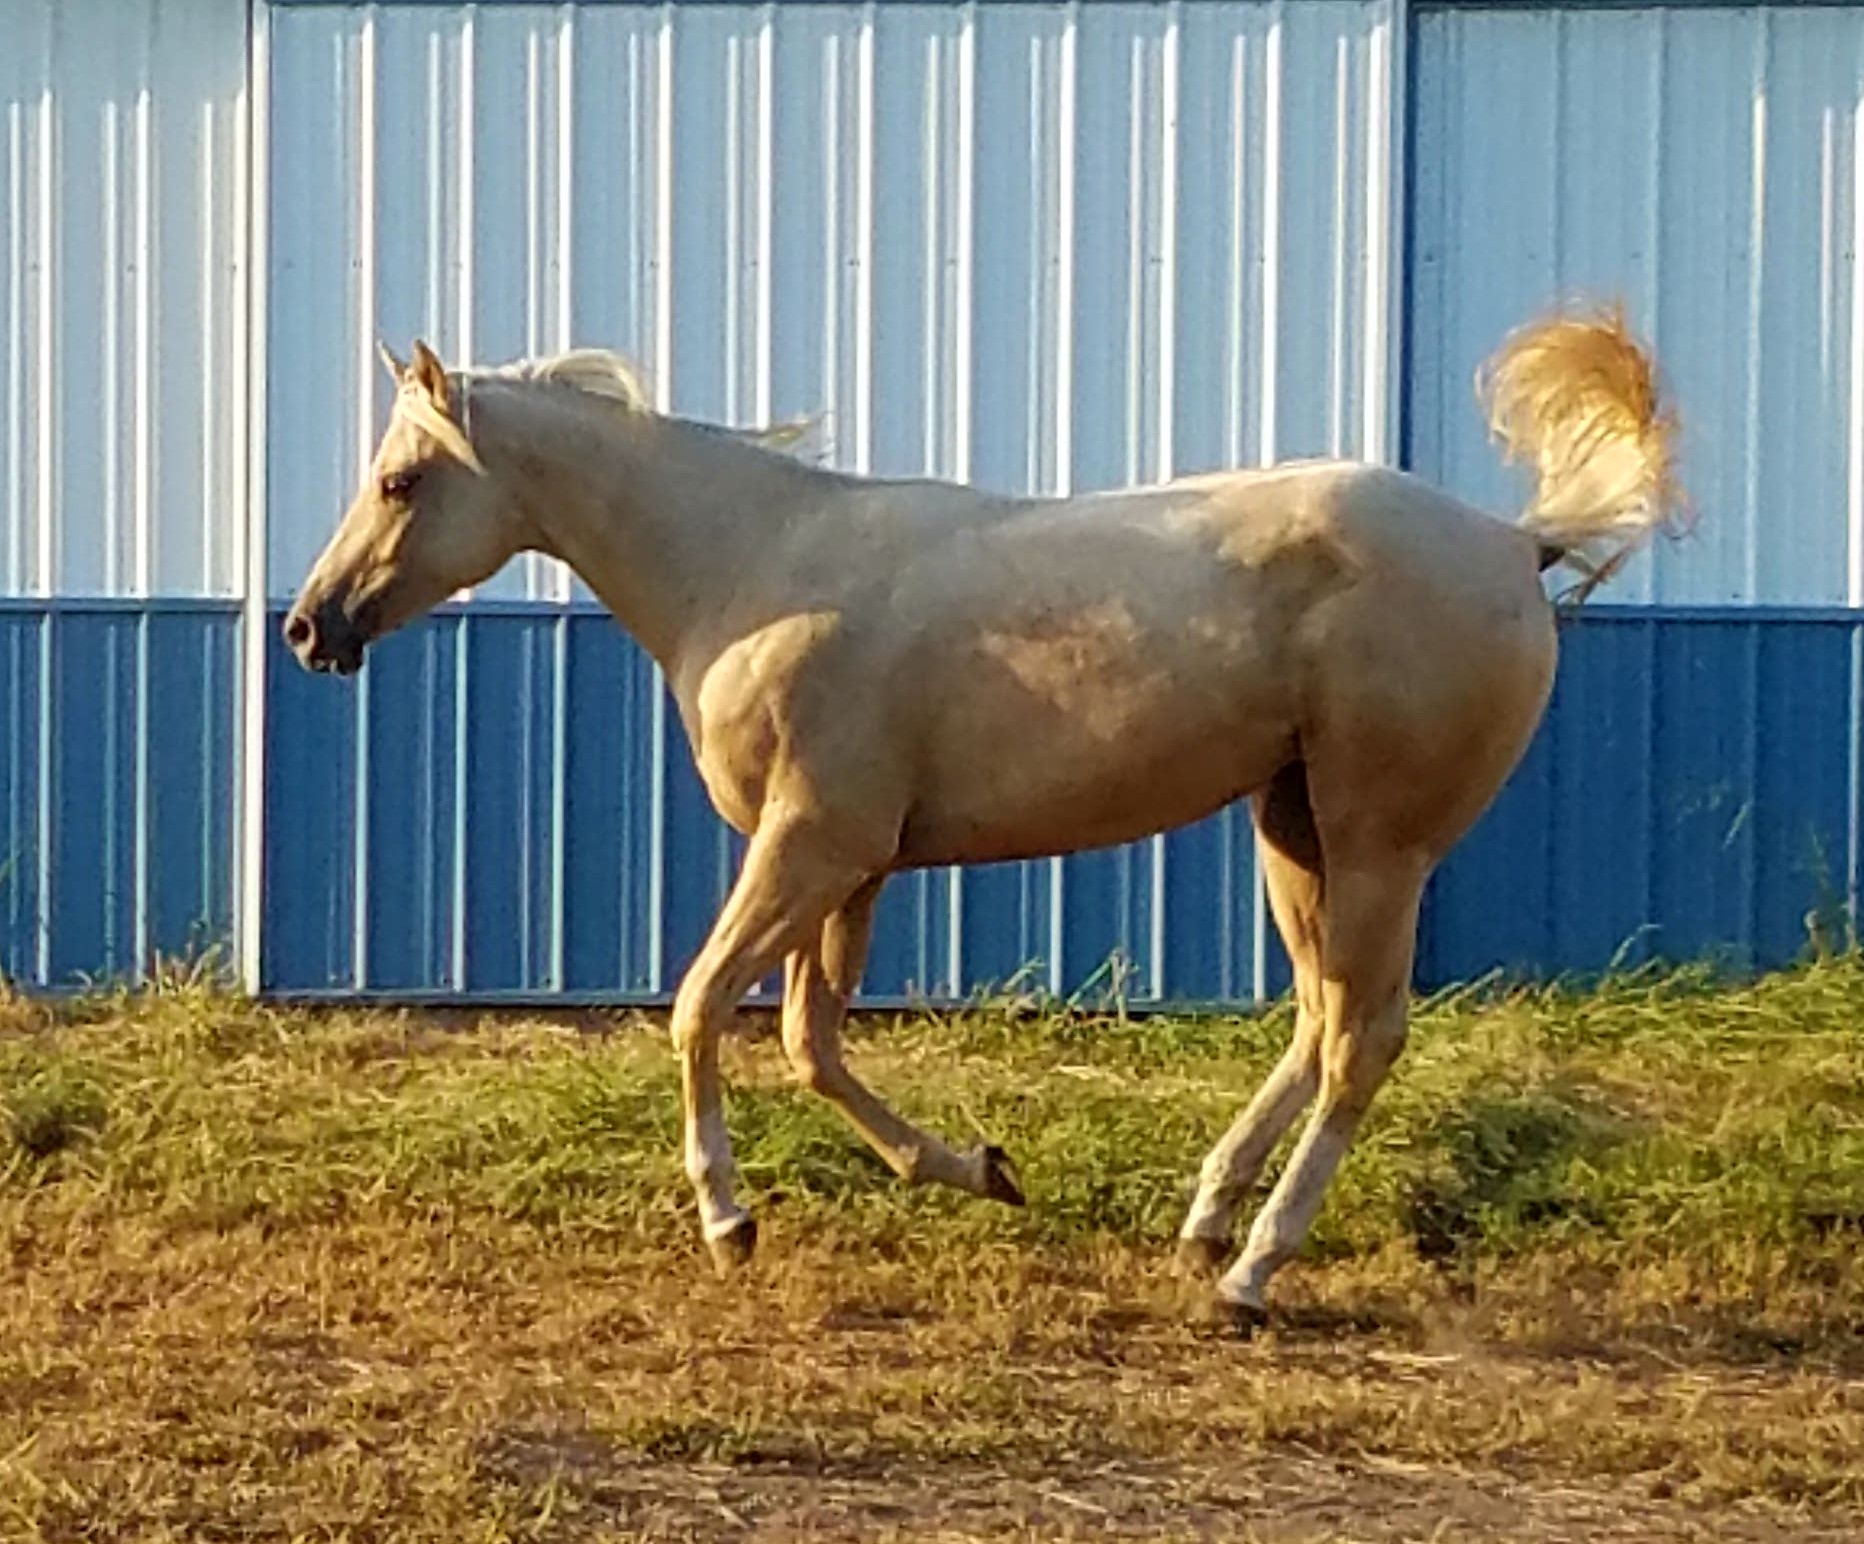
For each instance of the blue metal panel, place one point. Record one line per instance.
(609, 926)
(1690, 795)
(411, 820)
(188, 743)
(556, 838)
(310, 823)
(911, 950)
(1692, 792)
(22, 709)
(116, 788)
(1209, 922)
(510, 829)
(93, 731)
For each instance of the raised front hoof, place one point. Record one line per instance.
(1000, 1182)
(1202, 1259)
(732, 1251)
(1241, 1320)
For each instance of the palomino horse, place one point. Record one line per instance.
(878, 675)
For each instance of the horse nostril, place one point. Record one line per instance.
(300, 631)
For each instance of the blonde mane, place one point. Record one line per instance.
(597, 372)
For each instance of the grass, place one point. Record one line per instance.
(1591, 1272)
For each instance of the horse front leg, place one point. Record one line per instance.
(819, 978)
(792, 878)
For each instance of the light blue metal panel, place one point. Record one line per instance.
(116, 788)
(122, 206)
(1702, 163)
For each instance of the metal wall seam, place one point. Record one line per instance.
(253, 168)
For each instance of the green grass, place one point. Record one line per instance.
(281, 1273)
(1664, 1113)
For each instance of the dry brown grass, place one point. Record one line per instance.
(282, 1276)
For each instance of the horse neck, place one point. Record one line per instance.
(650, 512)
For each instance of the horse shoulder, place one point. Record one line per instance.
(784, 709)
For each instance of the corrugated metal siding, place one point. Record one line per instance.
(116, 781)
(1693, 793)
(1171, 255)
(1704, 163)
(504, 803)
(1040, 246)
(525, 820)
(123, 424)
(121, 212)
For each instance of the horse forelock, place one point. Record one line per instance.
(413, 403)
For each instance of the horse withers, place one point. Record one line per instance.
(878, 675)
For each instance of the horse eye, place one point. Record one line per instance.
(398, 485)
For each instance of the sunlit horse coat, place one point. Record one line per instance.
(877, 675)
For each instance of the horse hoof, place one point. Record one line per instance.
(732, 1250)
(1242, 1320)
(1201, 1259)
(1000, 1183)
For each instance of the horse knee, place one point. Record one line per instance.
(699, 1009)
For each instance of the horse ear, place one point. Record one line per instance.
(431, 375)
(397, 371)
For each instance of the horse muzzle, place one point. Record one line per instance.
(326, 637)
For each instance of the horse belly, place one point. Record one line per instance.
(1107, 757)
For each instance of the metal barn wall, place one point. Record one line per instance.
(1704, 163)
(1696, 787)
(1042, 247)
(123, 427)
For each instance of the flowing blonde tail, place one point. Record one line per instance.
(1578, 397)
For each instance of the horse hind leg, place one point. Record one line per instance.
(1291, 863)
(1368, 939)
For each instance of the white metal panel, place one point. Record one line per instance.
(1042, 246)
(120, 232)
(1703, 164)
